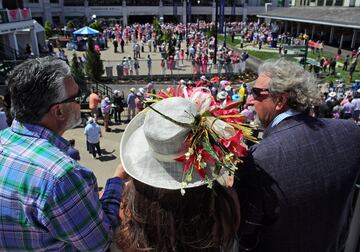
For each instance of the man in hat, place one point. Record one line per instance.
(105, 110)
(203, 82)
(297, 188)
(221, 98)
(131, 103)
(356, 102)
(49, 202)
(118, 106)
(92, 132)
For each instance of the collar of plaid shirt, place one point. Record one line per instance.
(38, 131)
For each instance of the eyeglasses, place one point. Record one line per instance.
(76, 98)
(257, 92)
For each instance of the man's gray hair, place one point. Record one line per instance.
(35, 85)
(290, 77)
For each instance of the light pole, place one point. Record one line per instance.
(198, 24)
(216, 30)
(225, 35)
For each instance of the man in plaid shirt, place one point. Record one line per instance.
(48, 202)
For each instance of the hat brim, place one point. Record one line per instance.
(138, 160)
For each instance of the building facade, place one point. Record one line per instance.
(18, 28)
(129, 11)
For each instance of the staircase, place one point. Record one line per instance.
(9, 58)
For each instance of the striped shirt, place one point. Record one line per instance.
(48, 202)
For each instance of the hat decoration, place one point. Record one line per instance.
(215, 79)
(215, 139)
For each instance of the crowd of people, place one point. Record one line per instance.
(187, 180)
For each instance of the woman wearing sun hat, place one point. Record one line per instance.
(175, 201)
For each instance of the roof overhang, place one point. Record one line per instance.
(343, 17)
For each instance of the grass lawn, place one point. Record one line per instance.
(261, 55)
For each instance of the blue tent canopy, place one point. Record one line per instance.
(86, 31)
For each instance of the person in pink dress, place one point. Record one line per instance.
(204, 62)
(171, 63)
(182, 54)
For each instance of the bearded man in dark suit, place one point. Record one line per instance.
(297, 189)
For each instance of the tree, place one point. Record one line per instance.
(94, 68)
(48, 29)
(78, 73)
(70, 25)
(96, 25)
(166, 37)
(211, 32)
(156, 25)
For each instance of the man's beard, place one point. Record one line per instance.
(74, 121)
(257, 121)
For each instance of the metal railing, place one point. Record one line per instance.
(120, 70)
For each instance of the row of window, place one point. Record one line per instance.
(146, 2)
(321, 2)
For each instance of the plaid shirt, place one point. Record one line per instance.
(48, 202)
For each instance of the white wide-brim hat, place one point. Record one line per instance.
(151, 143)
(332, 94)
(222, 95)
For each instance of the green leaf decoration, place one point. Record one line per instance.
(208, 147)
(181, 124)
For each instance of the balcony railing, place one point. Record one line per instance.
(15, 15)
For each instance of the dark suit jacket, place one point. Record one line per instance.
(296, 188)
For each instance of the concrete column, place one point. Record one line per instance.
(244, 16)
(297, 28)
(161, 10)
(341, 40)
(125, 14)
(1, 6)
(353, 38)
(34, 42)
(292, 28)
(286, 26)
(312, 31)
(62, 14)
(13, 43)
(87, 11)
(331, 34)
(184, 12)
(47, 16)
(213, 11)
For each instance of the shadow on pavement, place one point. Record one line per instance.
(104, 158)
(117, 130)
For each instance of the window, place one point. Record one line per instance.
(339, 2)
(54, 1)
(329, 2)
(142, 2)
(105, 2)
(320, 3)
(73, 2)
(33, 1)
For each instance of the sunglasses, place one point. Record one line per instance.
(257, 92)
(76, 98)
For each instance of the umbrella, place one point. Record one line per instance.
(86, 31)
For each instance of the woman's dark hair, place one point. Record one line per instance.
(34, 85)
(163, 220)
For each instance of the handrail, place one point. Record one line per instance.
(7, 50)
